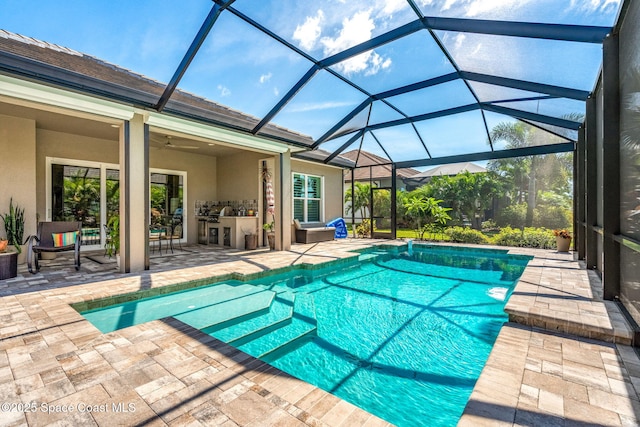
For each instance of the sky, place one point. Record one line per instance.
(240, 67)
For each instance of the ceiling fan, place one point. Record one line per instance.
(170, 144)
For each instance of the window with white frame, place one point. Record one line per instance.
(307, 198)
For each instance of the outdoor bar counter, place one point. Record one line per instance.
(229, 231)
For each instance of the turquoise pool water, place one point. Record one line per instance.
(403, 336)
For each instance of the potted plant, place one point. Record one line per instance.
(112, 245)
(563, 240)
(8, 261)
(271, 236)
(14, 228)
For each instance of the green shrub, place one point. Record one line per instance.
(509, 237)
(466, 235)
(552, 217)
(530, 237)
(539, 238)
(512, 215)
(489, 225)
(364, 228)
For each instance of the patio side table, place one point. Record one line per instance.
(8, 265)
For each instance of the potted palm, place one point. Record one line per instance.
(563, 240)
(112, 244)
(271, 236)
(14, 228)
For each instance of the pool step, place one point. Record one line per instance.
(175, 304)
(240, 332)
(288, 335)
(289, 346)
(246, 303)
(367, 257)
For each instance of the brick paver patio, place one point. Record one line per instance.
(545, 370)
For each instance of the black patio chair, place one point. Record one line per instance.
(54, 236)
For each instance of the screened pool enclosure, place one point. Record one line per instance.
(416, 82)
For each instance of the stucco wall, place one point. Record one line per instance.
(201, 170)
(238, 176)
(332, 185)
(18, 148)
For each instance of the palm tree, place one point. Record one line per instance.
(425, 211)
(519, 135)
(360, 202)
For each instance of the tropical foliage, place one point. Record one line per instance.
(467, 195)
(426, 212)
(524, 197)
(466, 235)
(358, 202)
(364, 228)
(81, 198)
(538, 187)
(112, 245)
(14, 225)
(529, 237)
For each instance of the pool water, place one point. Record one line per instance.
(403, 336)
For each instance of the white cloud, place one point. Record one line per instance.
(224, 91)
(459, 43)
(356, 30)
(481, 7)
(318, 106)
(308, 33)
(265, 78)
(477, 49)
(484, 7)
(276, 92)
(376, 63)
(595, 5)
(497, 9)
(392, 6)
(459, 40)
(448, 3)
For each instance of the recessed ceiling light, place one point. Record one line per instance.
(115, 126)
(211, 144)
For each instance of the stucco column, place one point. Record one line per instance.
(134, 195)
(284, 215)
(18, 148)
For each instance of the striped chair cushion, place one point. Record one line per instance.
(64, 239)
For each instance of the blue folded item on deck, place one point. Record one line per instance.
(341, 228)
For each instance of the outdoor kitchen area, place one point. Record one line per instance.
(226, 223)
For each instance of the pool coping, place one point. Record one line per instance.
(582, 312)
(563, 359)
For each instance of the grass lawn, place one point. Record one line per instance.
(407, 233)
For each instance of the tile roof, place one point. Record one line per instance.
(451, 169)
(57, 65)
(381, 169)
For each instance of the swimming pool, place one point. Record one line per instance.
(403, 336)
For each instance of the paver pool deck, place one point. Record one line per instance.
(564, 359)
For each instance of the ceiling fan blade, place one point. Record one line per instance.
(186, 147)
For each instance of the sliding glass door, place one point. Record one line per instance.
(89, 192)
(75, 196)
